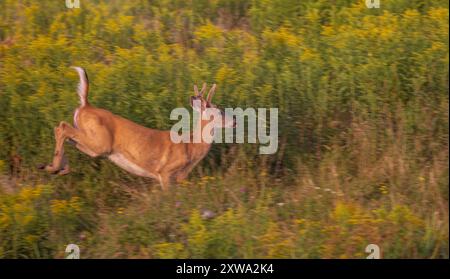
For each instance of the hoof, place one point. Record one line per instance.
(64, 171)
(41, 166)
(49, 168)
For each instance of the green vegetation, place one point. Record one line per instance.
(363, 155)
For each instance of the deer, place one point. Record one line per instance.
(139, 150)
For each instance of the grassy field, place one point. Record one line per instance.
(363, 98)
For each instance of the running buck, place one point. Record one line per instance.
(139, 150)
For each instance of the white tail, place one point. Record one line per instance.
(83, 86)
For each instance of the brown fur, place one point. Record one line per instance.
(137, 149)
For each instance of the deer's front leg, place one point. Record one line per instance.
(165, 180)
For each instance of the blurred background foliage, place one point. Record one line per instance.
(363, 154)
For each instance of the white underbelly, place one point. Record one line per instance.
(129, 166)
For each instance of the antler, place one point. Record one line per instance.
(201, 92)
(211, 93)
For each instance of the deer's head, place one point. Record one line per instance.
(201, 105)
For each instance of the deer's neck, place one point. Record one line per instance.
(200, 142)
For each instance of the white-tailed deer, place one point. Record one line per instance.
(139, 150)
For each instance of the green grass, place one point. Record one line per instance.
(363, 106)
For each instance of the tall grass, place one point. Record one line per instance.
(363, 155)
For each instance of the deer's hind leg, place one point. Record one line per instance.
(94, 140)
(93, 144)
(86, 150)
(58, 155)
